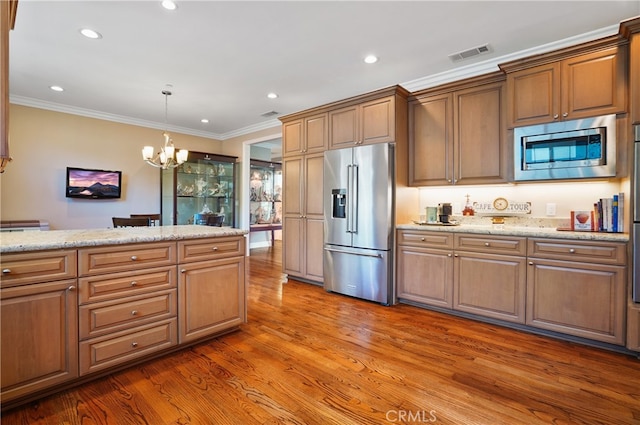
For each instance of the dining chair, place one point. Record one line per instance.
(130, 222)
(154, 219)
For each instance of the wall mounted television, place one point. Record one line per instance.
(93, 184)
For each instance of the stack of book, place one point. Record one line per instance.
(607, 216)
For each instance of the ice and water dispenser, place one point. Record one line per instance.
(339, 202)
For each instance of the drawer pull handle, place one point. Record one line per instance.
(6, 271)
(572, 251)
(134, 257)
(449, 255)
(422, 239)
(71, 288)
(183, 270)
(134, 344)
(134, 312)
(531, 263)
(486, 244)
(215, 248)
(134, 283)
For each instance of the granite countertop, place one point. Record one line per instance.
(525, 227)
(59, 239)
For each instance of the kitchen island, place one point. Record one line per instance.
(77, 304)
(566, 284)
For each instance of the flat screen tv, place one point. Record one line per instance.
(93, 184)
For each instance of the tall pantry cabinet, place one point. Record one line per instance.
(375, 117)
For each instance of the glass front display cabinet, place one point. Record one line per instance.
(204, 186)
(265, 195)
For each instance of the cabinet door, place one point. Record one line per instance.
(314, 249)
(292, 138)
(425, 276)
(316, 135)
(39, 337)
(211, 298)
(534, 95)
(292, 174)
(431, 141)
(594, 84)
(480, 149)
(313, 180)
(490, 285)
(581, 299)
(293, 246)
(633, 328)
(377, 121)
(634, 78)
(343, 127)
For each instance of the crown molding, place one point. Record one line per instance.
(491, 65)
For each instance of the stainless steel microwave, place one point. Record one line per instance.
(574, 149)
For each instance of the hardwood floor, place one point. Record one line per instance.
(310, 357)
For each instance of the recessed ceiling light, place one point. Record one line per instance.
(204, 121)
(169, 4)
(56, 88)
(89, 33)
(272, 95)
(371, 59)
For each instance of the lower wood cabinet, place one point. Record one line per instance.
(633, 328)
(573, 287)
(211, 287)
(39, 325)
(585, 299)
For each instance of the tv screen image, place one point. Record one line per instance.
(93, 184)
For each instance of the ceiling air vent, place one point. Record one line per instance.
(466, 54)
(269, 114)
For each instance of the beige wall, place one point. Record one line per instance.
(43, 143)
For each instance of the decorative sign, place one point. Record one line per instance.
(502, 206)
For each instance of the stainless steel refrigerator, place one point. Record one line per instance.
(636, 217)
(359, 221)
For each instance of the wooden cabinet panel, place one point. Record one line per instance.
(293, 247)
(111, 350)
(126, 284)
(458, 137)
(578, 86)
(438, 240)
(33, 267)
(574, 250)
(634, 76)
(125, 257)
(110, 316)
(490, 285)
(364, 123)
(210, 249)
(314, 254)
(425, 275)
(491, 244)
(39, 325)
(313, 180)
(292, 143)
(633, 328)
(211, 297)
(581, 299)
(305, 135)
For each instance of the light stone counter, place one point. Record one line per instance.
(526, 231)
(58, 239)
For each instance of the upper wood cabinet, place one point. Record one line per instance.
(364, 123)
(7, 20)
(305, 135)
(457, 134)
(631, 30)
(567, 85)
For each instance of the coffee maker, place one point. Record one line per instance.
(444, 212)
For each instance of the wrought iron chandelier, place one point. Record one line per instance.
(167, 157)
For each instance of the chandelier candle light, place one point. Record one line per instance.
(167, 157)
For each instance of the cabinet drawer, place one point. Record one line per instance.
(210, 249)
(108, 351)
(491, 244)
(35, 267)
(117, 285)
(125, 257)
(440, 240)
(109, 316)
(587, 251)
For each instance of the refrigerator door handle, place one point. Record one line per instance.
(362, 254)
(354, 199)
(349, 198)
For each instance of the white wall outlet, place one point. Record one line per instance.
(551, 209)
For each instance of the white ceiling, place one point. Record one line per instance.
(222, 58)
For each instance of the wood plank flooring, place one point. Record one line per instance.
(310, 357)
